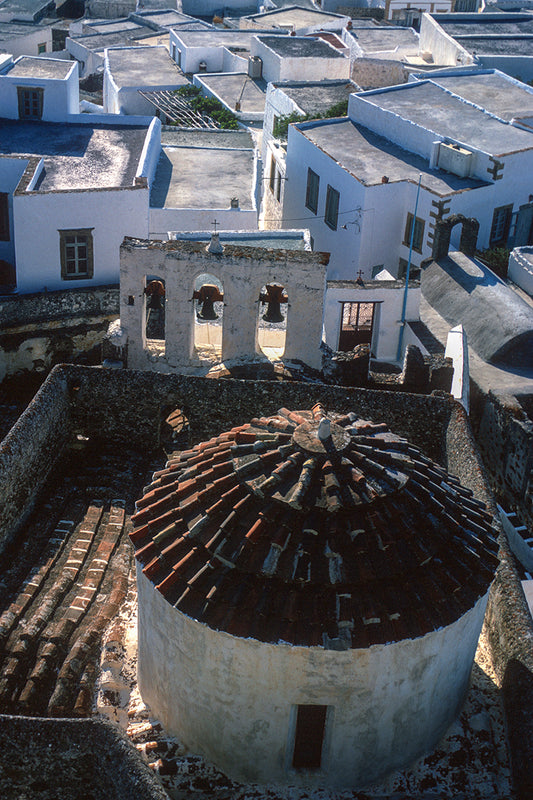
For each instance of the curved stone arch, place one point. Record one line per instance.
(443, 233)
(212, 277)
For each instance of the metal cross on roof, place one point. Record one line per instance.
(214, 223)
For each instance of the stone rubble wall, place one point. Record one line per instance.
(75, 758)
(29, 451)
(39, 330)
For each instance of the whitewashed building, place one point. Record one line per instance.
(70, 192)
(130, 70)
(354, 181)
(213, 50)
(305, 618)
(39, 88)
(370, 312)
(201, 177)
(240, 269)
(296, 19)
(302, 58)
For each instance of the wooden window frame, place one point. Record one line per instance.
(418, 241)
(331, 212)
(312, 190)
(26, 103)
(507, 211)
(79, 233)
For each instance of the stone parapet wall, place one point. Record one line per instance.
(73, 758)
(129, 406)
(42, 329)
(29, 452)
(27, 309)
(505, 439)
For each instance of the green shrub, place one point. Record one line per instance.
(208, 106)
(497, 259)
(281, 126)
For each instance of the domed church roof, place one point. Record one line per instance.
(315, 530)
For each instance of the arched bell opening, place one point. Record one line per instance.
(273, 307)
(208, 310)
(154, 312)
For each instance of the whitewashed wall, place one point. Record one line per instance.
(233, 699)
(60, 97)
(191, 57)
(112, 214)
(521, 268)
(278, 68)
(28, 45)
(89, 62)
(278, 104)
(444, 49)
(386, 319)
(11, 171)
(163, 220)
(242, 279)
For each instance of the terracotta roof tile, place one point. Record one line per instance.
(270, 532)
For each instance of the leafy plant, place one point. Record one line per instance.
(208, 106)
(281, 126)
(497, 259)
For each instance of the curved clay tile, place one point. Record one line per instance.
(314, 529)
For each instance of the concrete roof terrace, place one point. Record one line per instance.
(232, 86)
(166, 17)
(25, 9)
(299, 47)
(496, 24)
(111, 26)
(368, 157)
(214, 37)
(437, 109)
(295, 15)
(35, 67)
(12, 30)
(502, 45)
(378, 39)
(76, 156)
(317, 96)
(144, 66)
(99, 41)
(203, 177)
(493, 91)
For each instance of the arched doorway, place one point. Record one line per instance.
(443, 233)
(154, 312)
(273, 309)
(208, 310)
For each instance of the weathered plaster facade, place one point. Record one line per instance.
(242, 271)
(387, 704)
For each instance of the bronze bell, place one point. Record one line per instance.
(207, 295)
(155, 292)
(274, 297)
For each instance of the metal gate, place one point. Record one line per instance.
(356, 325)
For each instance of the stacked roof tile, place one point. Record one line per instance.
(332, 533)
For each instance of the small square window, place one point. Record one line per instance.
(311, 194)
(418, 236)
(41, 48)
(30, 102)
(76, 251)
(331, 215)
